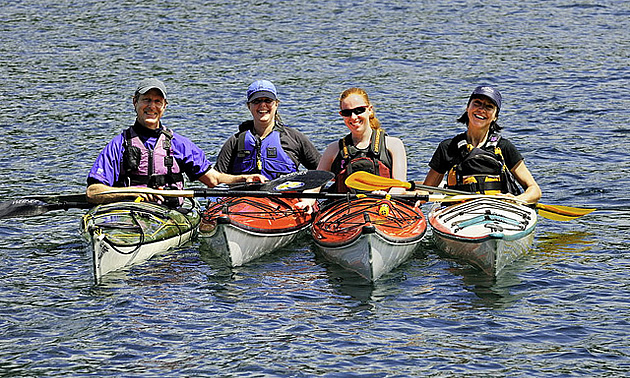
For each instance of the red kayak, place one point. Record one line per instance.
(370, 236)
(240, 229)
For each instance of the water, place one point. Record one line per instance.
(68, 71)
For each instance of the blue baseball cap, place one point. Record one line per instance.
(261, 88)
(146, 85)
(488, 91)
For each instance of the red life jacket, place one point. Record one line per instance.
(375, 159)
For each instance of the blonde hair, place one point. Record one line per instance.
(374, 122)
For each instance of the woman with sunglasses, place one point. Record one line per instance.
(480, 160)
(366, 148)
(265, 145)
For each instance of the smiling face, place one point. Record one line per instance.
(357, 123)
(481, 112)
(149, 108)
(263, 110)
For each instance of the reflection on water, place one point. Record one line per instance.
(553, 245)
(347, 283)
(497, 292)
(490, 292)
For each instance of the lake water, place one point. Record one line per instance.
(68, 72)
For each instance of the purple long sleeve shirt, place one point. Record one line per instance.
(106, 169)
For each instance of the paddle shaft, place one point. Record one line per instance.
(202, 192)
(367, 181)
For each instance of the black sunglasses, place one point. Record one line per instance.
(357, 111)
(257, 101)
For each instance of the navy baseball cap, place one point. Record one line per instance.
(488, 91)
(146, 85)
(261, 88)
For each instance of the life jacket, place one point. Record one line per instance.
(374, 159)
(482, 170)
(265, 156)
(155, 168)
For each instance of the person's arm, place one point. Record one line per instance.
(93, 195)
(433, 178)
(397, 151)
(310, 156)
(532, 191)
(105, 172)
(224, 159)
(213, 178)
(325, 164)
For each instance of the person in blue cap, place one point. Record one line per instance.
(480, 160)
(265, 144)
(148, 154)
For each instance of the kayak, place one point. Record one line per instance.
(127, 233)
(370, 236)
(241, 229)
(487, 233)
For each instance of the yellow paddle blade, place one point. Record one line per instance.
(561, 213)
(566, 210)
(367, 181)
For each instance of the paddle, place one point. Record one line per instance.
(37, 205)
(297, 181)
(367, 181)
(207, 192)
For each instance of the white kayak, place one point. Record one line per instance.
(488, 233)
(370, 236)
(126, 233)
(242, 229)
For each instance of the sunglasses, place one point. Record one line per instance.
(257, 101)
(357, 111)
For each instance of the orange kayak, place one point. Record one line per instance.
(370, 236)
(241, 229)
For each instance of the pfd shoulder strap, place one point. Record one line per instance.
(376, 147)
(241, 151)
(492, 145)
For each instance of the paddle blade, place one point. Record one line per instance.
(298, 181)
(369, 182)
(22, 208)
(561, 213)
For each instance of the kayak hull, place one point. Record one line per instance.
(368, 236)
(242, 229)
(122, 234)
(487, 233)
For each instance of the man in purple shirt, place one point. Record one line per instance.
(134, 158)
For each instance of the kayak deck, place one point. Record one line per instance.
(369, 236)
(487, 233)
(127, 233)
(241, 229)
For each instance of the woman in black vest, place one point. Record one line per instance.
(480, 160)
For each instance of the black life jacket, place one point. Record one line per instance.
(482, 170)
(375, 159)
